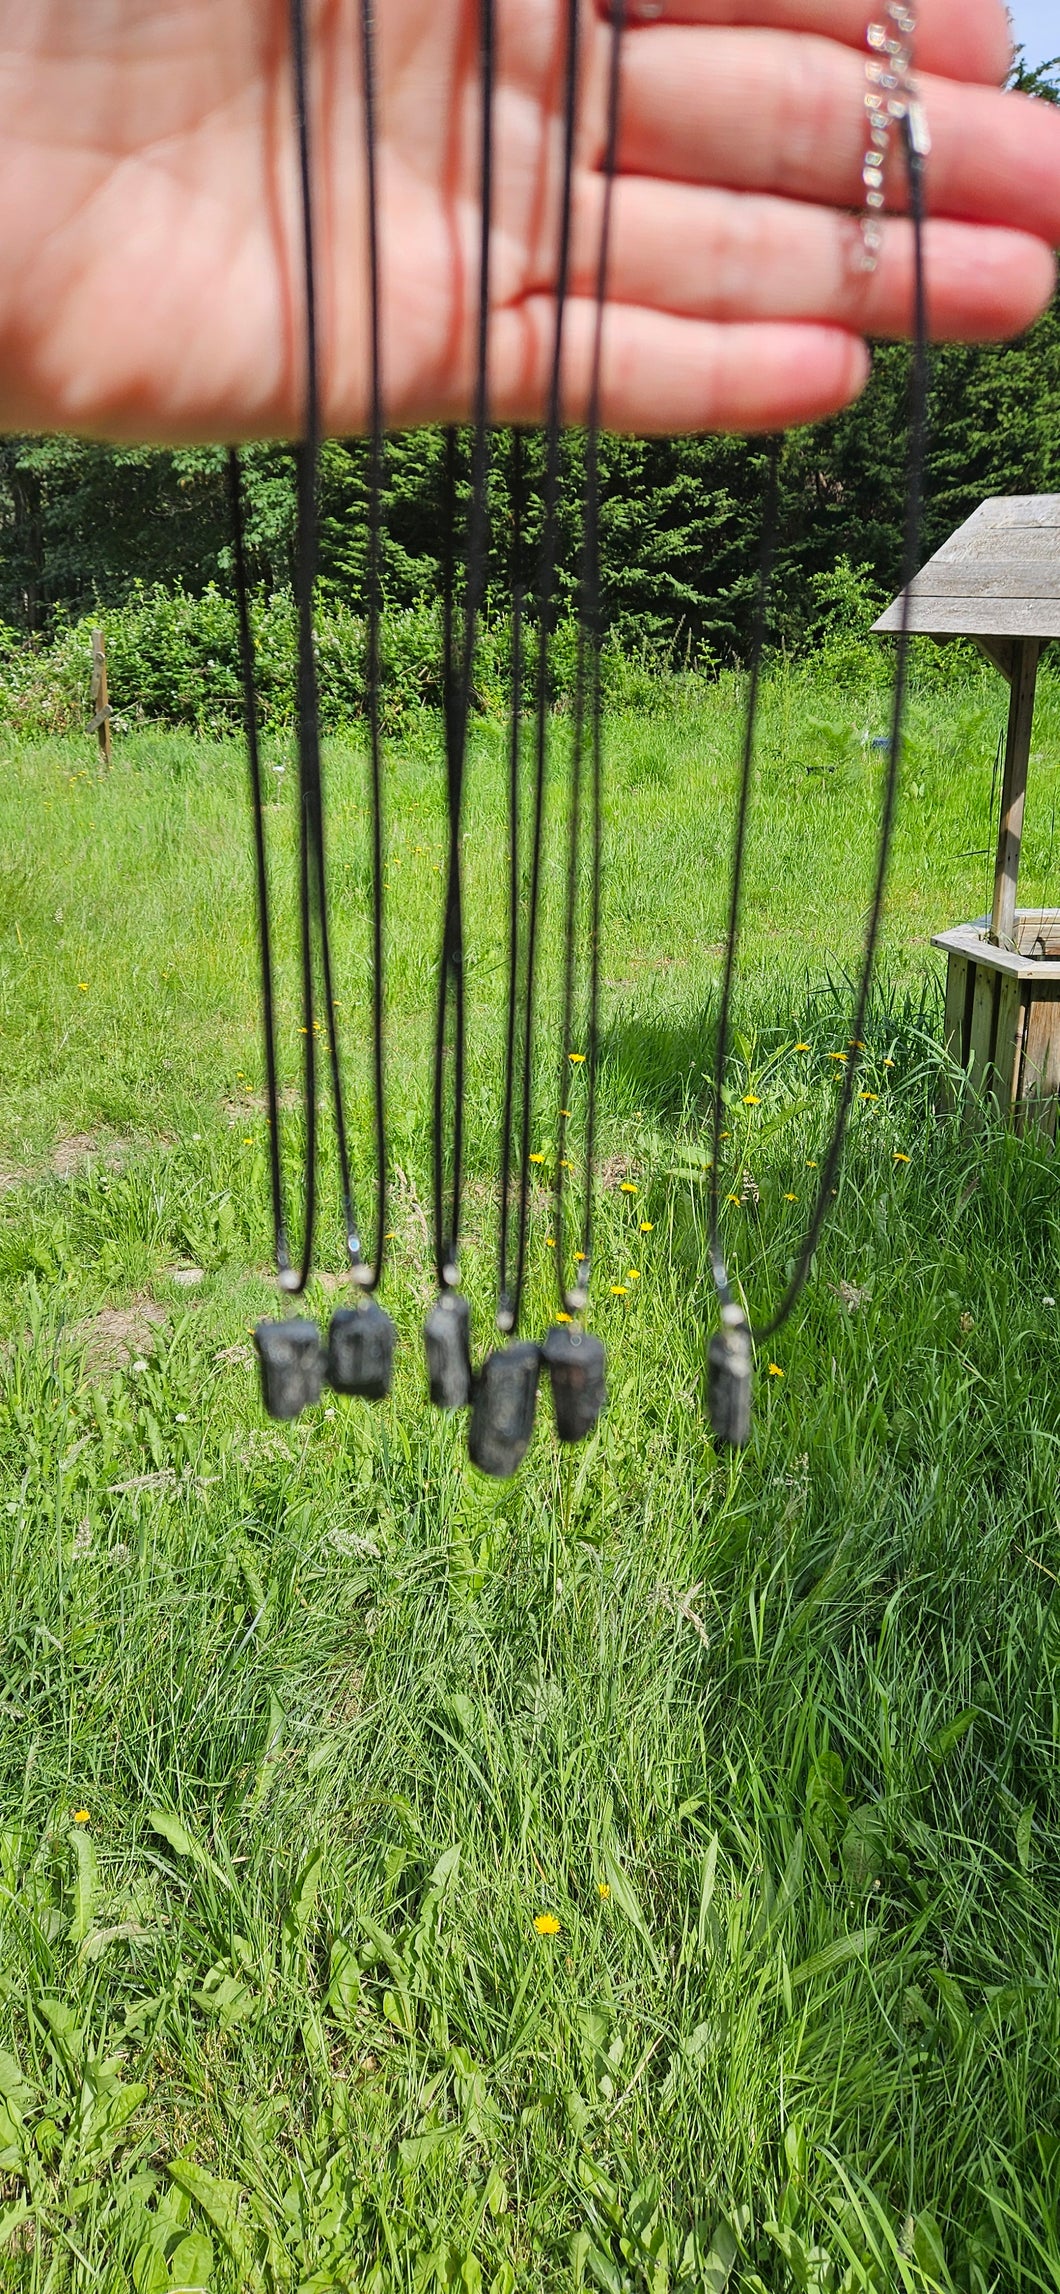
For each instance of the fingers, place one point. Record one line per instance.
(762, 111)
(724, 255)
(664, 374)
(967, 41)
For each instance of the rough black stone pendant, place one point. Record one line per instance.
(729, 1369)
(447, 1342)
(361, 1344)
(291, 1361)
(577, 1367)
(502, 1415)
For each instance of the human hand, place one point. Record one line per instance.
(149, 272)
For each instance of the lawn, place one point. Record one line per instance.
(641, 1875)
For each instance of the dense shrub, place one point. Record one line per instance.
(173, 659)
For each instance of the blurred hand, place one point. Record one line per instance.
(149, 235)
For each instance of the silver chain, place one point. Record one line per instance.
(890, 98)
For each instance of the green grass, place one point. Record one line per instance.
(774, 1743)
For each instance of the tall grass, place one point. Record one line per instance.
(302, 1730)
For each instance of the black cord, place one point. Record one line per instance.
(281, 1247)
(314, 930)
(588, 701)
(770, 520)
(517, 483)
(919, 392)
(546, 622)
(374, 613)
(458, 673)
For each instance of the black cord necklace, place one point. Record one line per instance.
(575, 1360)
(359, 1354)
(730, 1352)
(447, 1329)
(505, 1391)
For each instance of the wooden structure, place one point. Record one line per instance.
(100, 701)
(997, 581)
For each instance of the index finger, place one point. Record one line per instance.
(960, 39)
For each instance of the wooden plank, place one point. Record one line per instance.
(990, 577)
(1001, 653)
(1040, 1079)
(960, 979)
(970, 940)
(957, 978)
(974, 617)
(992, 545)
(981, 1031)
(1008, 1039)
(1014, 791)
(1018, 510)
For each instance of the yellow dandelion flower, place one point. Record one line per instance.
(565, 1111)
(791, 1198)
(888, 1063)
(751, 1099)
(802, 1047)
(537, 1158)
(809, 1165)
(900, 1158)
(647, 1226)
(80, 1815)
(855, 1043)
(633, 1274)
(577, 1058)
(725, 1134)
(391, 1235)
(734, 1198)
(248, 1142)
(868, 1095)
(564, 1318)
(627, 1187)
(603, 1890)
(618, 1290)
(550, 1242)
(565, 1163)
(775, 1370)
(83, 985)
(581, 1258)
(547, 1924)
(837, 1055)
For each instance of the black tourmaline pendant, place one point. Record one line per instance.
(447, 1340)
(729, 1380)
(291, 1360)
(361, 1344)
(577, 1366)
(502, 1415)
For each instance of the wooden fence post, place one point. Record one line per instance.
(101, 709)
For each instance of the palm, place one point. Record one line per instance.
(148, 213)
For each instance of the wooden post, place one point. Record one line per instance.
(1014, 790)
(101, 709)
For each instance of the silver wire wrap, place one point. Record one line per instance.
(890, 98)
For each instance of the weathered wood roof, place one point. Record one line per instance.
(997, 577)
